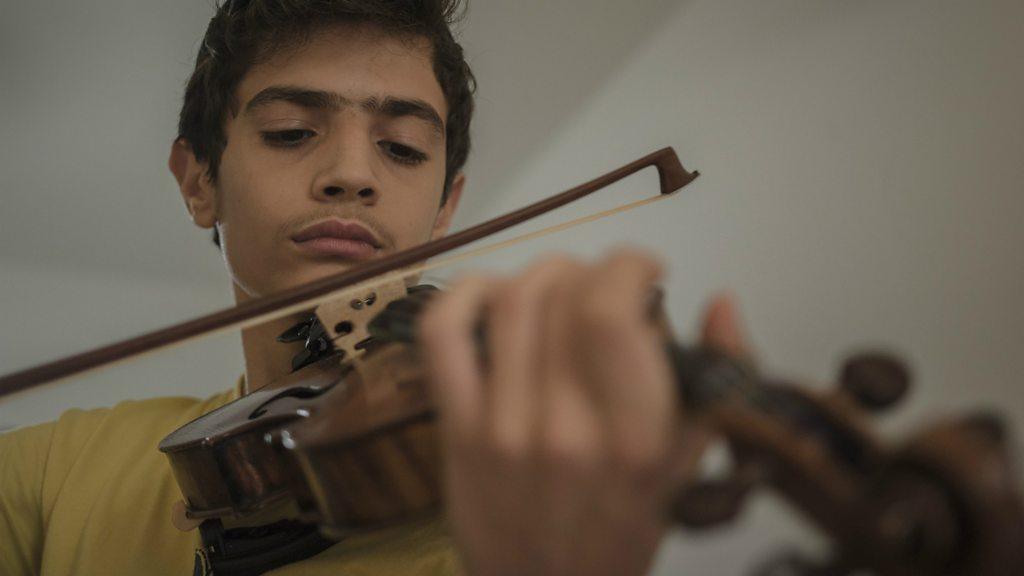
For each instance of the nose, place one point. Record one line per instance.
(367, 195)
(347, 174)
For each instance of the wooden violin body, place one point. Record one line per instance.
(348, 445)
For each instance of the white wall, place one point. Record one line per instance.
(94, 242)
(862, 178)
(54, 311)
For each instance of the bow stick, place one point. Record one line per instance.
(671, 175)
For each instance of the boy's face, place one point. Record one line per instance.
(350, 128)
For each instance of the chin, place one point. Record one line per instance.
(298, 273)
(311, 271)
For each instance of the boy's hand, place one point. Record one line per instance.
(562, 448)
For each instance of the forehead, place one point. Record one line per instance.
(356, 61)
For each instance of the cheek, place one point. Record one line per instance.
(256, 260)
(247, 210)
(255, 200)
(414, 214)
(253, 209)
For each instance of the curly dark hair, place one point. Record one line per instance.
(244, 32)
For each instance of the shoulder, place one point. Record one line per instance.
(105, 438)
(77, 427)
(147, 418)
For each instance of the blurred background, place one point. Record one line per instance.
(862, 186)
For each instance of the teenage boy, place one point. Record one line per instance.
(317, 134)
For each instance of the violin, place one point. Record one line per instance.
(348, 441)
(353, 445)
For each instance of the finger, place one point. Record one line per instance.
(630, 374)
(447, 339)
(514, 340)
(612, 316)
(569, 426)
(620, 290)
(569, 429)
(721, 327)
(555, 364)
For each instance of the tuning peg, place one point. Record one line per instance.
(990, 425)
(876, 380)
(708, 503)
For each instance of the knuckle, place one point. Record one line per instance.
(638, 461)
(551, 272)
(513, 298)
(600, 312)
(559, 271)
(433, 324)
(572, 451)
(463, 444)
(557, 261)
(635, 255)
(437, 314)
(508, 445)
(466, 283)
(524, 293)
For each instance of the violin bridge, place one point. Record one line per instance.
(346, 318)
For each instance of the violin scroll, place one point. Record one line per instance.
(944, 502)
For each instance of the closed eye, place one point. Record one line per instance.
(402, 153)
(287, 138)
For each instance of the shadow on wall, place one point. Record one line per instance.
(537, 64)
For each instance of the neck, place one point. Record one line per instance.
(266, 359)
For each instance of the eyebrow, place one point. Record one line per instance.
(390, 106)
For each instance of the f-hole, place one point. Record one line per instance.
(300, 392)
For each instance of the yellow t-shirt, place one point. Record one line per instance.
(91, 494)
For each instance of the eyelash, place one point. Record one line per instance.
(401, 153)
(408, 156)
(281, 138)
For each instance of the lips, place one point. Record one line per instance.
(338, 238)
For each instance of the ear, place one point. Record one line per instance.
(196, 189)
(447, 212)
